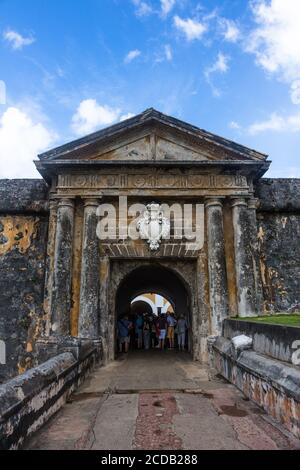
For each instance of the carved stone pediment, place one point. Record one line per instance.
(152, 135)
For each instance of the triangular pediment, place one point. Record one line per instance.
(152, 135)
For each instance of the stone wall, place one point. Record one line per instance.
(272, 384)
(23, 240)
(24, 216)
(276, 341)
(279, 243)
(29, 400)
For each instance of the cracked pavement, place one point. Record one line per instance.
(160, 400)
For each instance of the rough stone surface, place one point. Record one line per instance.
(23, 195)
(279, 249)
(278, 195)
(23, 241)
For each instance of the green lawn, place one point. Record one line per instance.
(291, 320)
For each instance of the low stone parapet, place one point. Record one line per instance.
(277, 341)
(272, 384)
(29, 400)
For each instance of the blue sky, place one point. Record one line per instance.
(70, 67)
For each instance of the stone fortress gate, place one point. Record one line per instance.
(151, 158)
(151, 205)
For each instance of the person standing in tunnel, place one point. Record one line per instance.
(124, 326)
(162, 325)
(181, 330)
(171, 320)
(146, 331)
(139, 322)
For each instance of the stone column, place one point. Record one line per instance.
(216, 264)
(89, 286)
(62, 272)
(246, 299)
(50, 263)
(252, 205)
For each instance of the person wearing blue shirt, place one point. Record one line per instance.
(124, 326)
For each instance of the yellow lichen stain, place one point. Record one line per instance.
(24, 365)
(263, 271)
(260, 234)
(18, 232)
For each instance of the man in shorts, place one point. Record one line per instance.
(162, 325)
(124, 326)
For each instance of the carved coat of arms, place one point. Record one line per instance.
(153, 226)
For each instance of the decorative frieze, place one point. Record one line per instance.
(151, 180)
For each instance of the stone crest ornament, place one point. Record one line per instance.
(153, 226)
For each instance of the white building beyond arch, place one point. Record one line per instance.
(156, 301)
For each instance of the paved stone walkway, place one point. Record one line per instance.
(154, 400)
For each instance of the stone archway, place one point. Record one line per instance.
(175, 283)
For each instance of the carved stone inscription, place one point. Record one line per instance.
(150, 181)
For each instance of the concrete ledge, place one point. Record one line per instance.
(273, 340)
(28, 401)
(272, 384)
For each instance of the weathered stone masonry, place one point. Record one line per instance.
(279, 247)
(57, 279)
(23, 240)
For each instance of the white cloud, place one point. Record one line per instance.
(192, 29)
(126, 116)
(220, 66)
(142, 8)
(295, 92)
(230, 31)
(21, 139)
(131, 56)
(275, 41)
(234, 125)
(168, 52)
(16, 40)
(91, 116)
(167, 6)
(277, 123)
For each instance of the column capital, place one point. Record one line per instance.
(238, 201)
(66, 202)
(210, 201)
(52, 204)
(252, 203)
(91, 201)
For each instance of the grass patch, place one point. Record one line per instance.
(288, 320)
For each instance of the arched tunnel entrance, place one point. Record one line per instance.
(150, 281)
